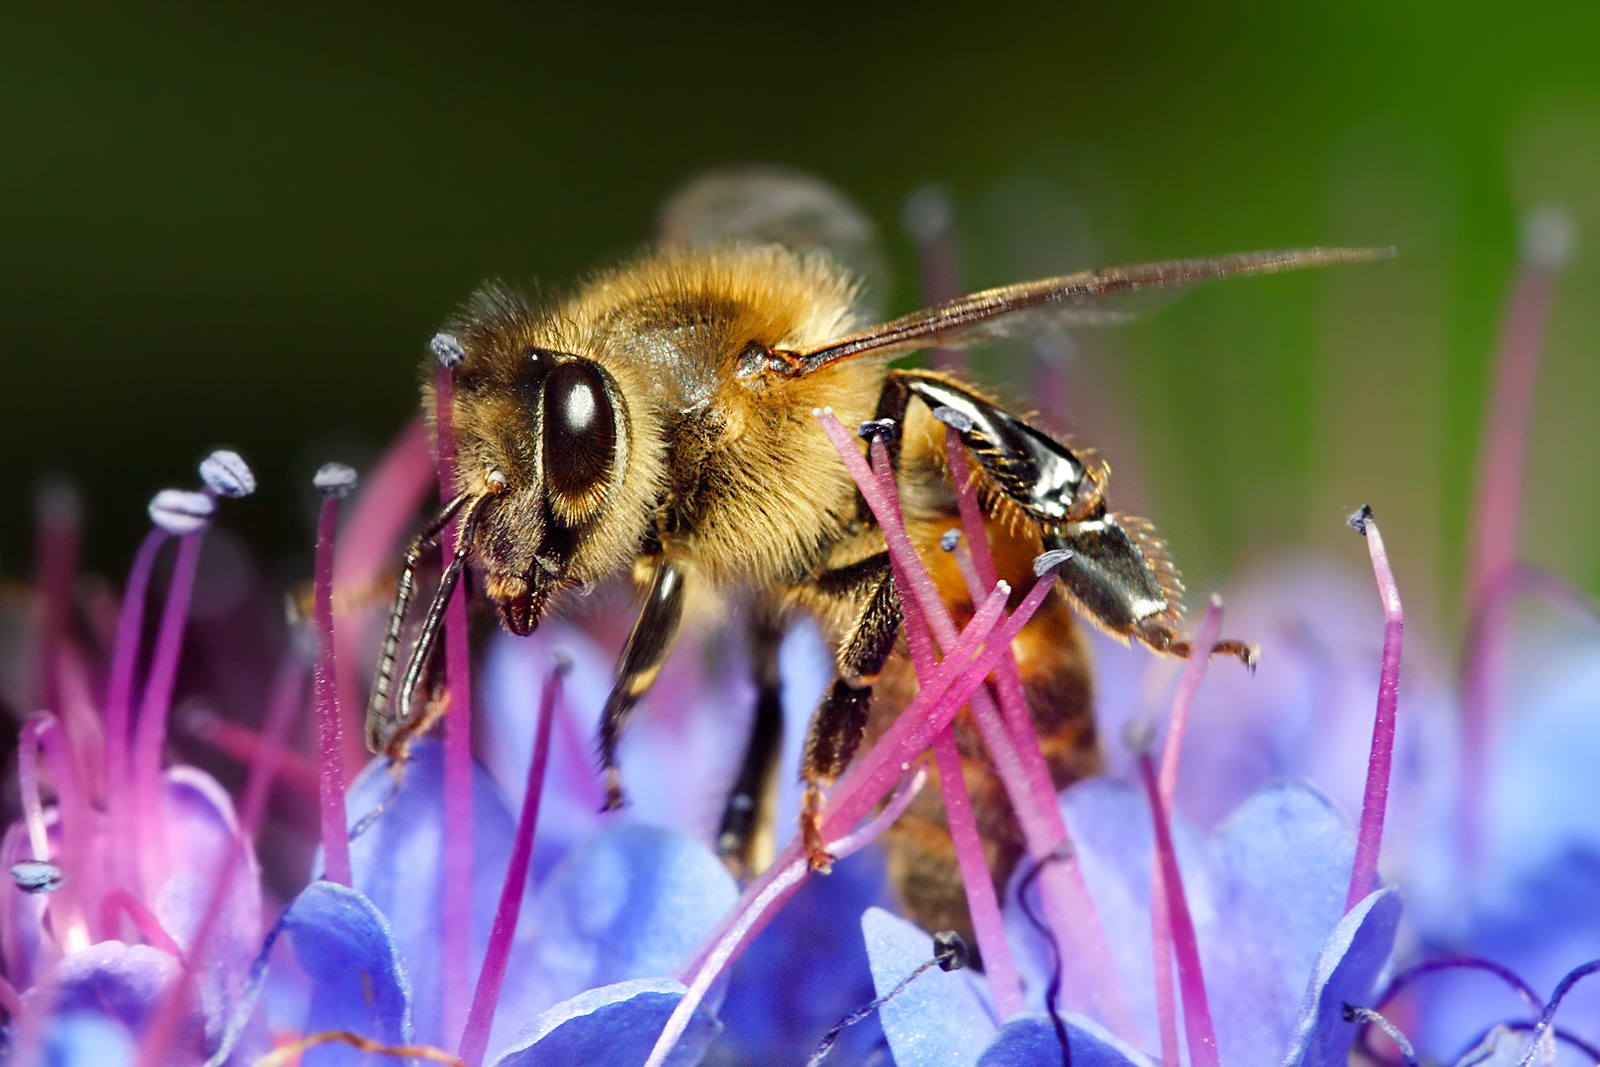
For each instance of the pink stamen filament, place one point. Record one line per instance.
(368, 545)
(1497, 513)
(287, 693)
(1065, 895)
(43, 731)
(120, 902)
(456, 897)
(760, 901)
(150, 733)
(873, 774)
(1197, 1023)
(1160, 910)
(331, 773)
(983, 902)
(1369, 839)
(486, 997)
(240, 743)
(121, 809)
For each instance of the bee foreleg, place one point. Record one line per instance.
(642, 656)
(379, 721)
(840, 720)
(744, 839)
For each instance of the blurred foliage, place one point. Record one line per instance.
(239, 223)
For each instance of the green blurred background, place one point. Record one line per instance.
(238, 224)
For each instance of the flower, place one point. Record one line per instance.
(488, 912)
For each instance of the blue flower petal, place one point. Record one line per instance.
(938, 1021)
(1110, 825)
(631, 902)
(614, 1026)
(121, 983)
(1031, 1041)
(1500, 1047)
(86, 1039)
(398, 864)
(1280, 870)
(1347, 969)
(806, 971)
(345, 947)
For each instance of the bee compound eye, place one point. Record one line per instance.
(580, 427)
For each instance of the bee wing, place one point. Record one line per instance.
(776, 205)
(1085, 299)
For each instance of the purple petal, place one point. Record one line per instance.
(201, 830)
(938, 1021)
(1031, 1041)
(614, 1025)
(1280, 870)
(124, 984)
(632, 902)
(347, 950)
(397, 864)
(1348, 967)
(806, 971)
(82, 1039)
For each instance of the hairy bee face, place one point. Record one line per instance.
(546, 433)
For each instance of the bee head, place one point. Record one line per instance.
(548, 434)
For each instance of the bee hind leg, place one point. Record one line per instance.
(840, 720)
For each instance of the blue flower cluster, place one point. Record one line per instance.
(1241, 925)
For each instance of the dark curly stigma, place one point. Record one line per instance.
(1358, 519)
(950, 953)
(873, 429)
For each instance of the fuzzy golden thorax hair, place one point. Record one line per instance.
(641, 415)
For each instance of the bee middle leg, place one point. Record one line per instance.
(641, 660)
(840, 720)
(744, 839)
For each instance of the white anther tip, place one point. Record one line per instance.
(181, 511)
(446, 348)
(335, 480)
(227, 474)
(1046, 562)
(959, 421)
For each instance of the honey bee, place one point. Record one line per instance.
(660, 420)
